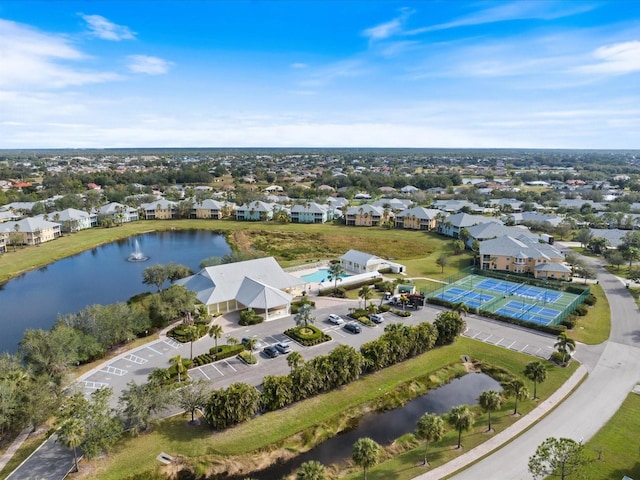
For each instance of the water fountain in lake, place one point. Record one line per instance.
(137, 255)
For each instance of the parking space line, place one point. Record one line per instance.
(230, 366)
(154, 350)
(114, 371)
(487, 339)
(172, 343)
(498, 344)
(523, 348)
(136, 359)
(96, 385)
(217, 369)
(205, 375)
(476, 335)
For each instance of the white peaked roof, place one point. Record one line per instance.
(258, 295)
(358, 257)
(226, 282)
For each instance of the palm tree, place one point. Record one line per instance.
(71, 434)
(304, 316)
(537, 373)
(365, 453)
(365, 293)
(490, 400)
(460, 308)
(180, 368)
(191, 333)
(516, 389)
(335, 271)
(431, 429)
(565, 345)
(460, 418)
(215, 332)
(311, 470)
(294, 360)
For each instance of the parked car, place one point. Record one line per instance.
(282, 347)
(271, 351)
(353, 327)
(335, 319)
(376, 318)
(256, 345)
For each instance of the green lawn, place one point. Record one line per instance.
(316, 418)
(614, 449)
(595, 327)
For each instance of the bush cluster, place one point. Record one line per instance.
(581, 310)
(203, 359)
(247, 357)
(401, 313)
(570, 322)
(314, 337)
(249, 317)
(590, 300)
(295, 306)
(180, 333)
(225, 351)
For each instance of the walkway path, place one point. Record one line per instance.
(13, 448)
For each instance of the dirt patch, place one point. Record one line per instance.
(471, 367)
(241, 240)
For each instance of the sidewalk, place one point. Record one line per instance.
(507, 435)
(13, 448)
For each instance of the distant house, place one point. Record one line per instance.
(356, 262)
(365, 216)
(273, 189)
(395, 204)
(409, 189)
(255, 211)
(209, 208)
(536, 217)
(524, 255)
(418, 218)
(259, 284)
(454, 206)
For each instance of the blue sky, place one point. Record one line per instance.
(459, 74)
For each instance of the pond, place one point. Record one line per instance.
(102, 275)
(384, 427)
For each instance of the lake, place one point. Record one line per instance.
(102, 275)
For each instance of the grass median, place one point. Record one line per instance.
(276, 429)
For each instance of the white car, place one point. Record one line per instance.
(335, 319)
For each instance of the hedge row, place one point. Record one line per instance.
(352, 286)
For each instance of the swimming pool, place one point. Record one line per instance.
(321, 275)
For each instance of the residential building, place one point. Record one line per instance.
(365, 216)
(255, 211)
(525, 256)
(162, 209)
(451, 225)
(209, 208)
(418, 218)
(72, 220)
(32, 231)
(311, 213)
(117, 212)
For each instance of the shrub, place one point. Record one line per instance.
(202, 359)
(383, 308)
(249, 317)
(179, 333)
(225, 351)
(365, 321)
(570, 322)
(581, 310)
(590, 299)
(295, 306)
(556, 357)
(247, 357)
(307, 336)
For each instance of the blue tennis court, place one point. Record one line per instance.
(469, 298)
(542, 311)
(526, 316)
(519, 290)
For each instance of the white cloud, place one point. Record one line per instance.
(518, 10)
(388, 29)
(39, 60)
(147, 64)
(615, 59)
(299, 65)
(102, 28)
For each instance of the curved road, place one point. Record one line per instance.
(613, 372)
